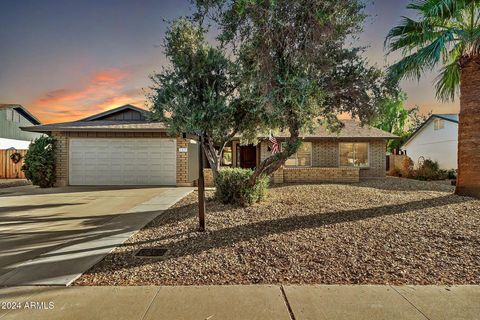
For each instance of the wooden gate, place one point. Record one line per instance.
(8, 168)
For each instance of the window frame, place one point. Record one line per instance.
(296, 156)
(354, 143)
(438, 124)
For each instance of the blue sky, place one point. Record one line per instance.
(67, 59)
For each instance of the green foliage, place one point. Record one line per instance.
(197, 92)
(39, 162)
(392, 115)
(446, 33)
(452, 174)
(429, 170)
(295, 61)
(192, 94)
(232, 187)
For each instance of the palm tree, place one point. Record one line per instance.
(446, 34)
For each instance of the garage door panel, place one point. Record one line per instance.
(122, 161)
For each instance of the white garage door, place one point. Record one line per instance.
(122, 162)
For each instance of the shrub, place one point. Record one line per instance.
(395, 172)
(430, 170)
(39, 163)
(452, 174)
(407, 167)
(232, 187)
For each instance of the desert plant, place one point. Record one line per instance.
(232, 187)
(395, 172)
(39, 163)
(429, 170)
(407, 167)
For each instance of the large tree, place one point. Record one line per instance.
(446, 33)
(295, 55)
(198, 92)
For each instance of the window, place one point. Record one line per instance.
(303, 157)
(438, 124)
(354, 155)
(9, 114)
(227, 156)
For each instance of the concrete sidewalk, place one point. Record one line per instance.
(260, 302)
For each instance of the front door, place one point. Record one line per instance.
(248, 157)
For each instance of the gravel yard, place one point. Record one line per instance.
(392, 231)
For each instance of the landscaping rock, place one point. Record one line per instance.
(390, 231)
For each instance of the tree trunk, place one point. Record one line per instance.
(275, 161)
(213, 156)
(468, 179)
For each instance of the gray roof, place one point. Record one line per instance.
(99, 125)
(447, 116)
(22, 110)
(100, 115)
(351, 129)
(94, 123)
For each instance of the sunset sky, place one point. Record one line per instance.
(64, 60)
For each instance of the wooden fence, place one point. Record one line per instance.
(8, 168)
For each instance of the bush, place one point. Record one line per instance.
(430, 170)
(407, 167)
(452, 174)
(39, 163)
(395, 172)
(232, 187)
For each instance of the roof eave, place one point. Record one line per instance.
(48, 130)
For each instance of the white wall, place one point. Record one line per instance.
(12, 143)
(437, 145)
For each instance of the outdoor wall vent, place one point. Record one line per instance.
(151, 253)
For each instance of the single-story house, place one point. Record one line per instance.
(12, 117)
(121, 147)
(436, 139)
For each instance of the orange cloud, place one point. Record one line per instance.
(104, 90)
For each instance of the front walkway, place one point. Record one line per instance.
(51, 236)
(242, 302)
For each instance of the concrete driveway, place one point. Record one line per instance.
(51, 236)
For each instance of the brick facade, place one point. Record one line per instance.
(317, 174)
(182, 164)
(325, 155)
(325, 160)
(378, 160)
(62, 152)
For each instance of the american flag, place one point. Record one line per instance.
(275, 146)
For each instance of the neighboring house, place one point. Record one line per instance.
(12, 117)
(121, 147)
(436, 139)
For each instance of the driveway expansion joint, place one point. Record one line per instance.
(411, 303)
(287, 303)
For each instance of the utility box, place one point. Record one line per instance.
(193, 152)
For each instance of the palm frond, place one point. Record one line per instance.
(444, 9)
(410, 34)
(425, 58)
(447, 83)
